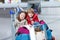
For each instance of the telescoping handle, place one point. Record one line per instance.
(12, 24)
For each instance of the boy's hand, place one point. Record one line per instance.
(32, 22)
(30, 25)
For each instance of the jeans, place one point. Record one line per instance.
(36, 25)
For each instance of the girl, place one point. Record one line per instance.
(20, 20)
(22, 33)
(32, 17)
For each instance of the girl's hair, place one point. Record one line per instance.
(31, 10)
(18, 17)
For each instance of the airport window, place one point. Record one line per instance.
(45, 0)
(2, 1)
(56, 0)
(24, 0)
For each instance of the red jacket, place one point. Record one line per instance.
(34, 18)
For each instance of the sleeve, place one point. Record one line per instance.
(16, 23)
(26, 22)
(36, 18)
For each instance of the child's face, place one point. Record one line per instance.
(30, 14)
(22, 16)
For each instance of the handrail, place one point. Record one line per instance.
(51, 7)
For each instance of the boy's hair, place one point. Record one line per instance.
(18, 17)
(30, 10)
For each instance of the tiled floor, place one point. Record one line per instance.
(53, 23)
(5, 28)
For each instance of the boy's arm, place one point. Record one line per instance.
(36, 18)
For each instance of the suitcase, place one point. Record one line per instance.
(23, 37)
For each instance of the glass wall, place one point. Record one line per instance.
(2, 1)
(57, 0)
(44, 0)
(24, 0)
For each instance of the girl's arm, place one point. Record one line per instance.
(26, 23)
(16, 23)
